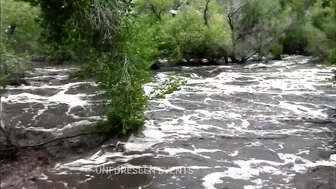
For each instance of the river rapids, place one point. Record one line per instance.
(247, 126)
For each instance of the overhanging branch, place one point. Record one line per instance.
(205, 13)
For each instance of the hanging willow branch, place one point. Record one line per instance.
(104, 16)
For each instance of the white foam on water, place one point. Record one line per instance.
(301, 168)
(250, 170)
(253, 66)
(176, 151)
(161, 169)
(333, 157)
(43, 177)
(235, 153)
(105, 159)
(211, 179)
(72, 100)
(303, 110)
(151, 136)
(244, 120)
(61, 131)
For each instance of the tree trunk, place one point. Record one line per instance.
(226, 59)
(205, 13)
(243, 60)
(233, 39)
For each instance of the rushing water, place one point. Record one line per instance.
(251, 126)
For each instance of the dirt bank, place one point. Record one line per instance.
(25, 165)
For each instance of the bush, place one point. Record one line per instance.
(168, 86)
(295, 41)
(321, 31)
(18, 36)
(20, 31)
(125, 72)
(187, 37)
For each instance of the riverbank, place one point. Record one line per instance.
(27, 164)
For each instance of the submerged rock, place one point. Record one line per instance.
(17, 82)
(17, 79)
(159, 64)
(155, 66)
(38, 58)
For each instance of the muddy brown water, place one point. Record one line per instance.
(252, 126)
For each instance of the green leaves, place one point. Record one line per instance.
(156, 9)
(320, 31)
(126, 71)
(167, 86)
(19, 32)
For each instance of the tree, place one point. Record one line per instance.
(254, 25)
(205, 13)
(321, 30)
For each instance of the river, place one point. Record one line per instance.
(235, 127)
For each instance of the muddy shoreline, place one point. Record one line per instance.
(27, 164)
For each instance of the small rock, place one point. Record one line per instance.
(154, 66)
(33, 179)
(185, 144)
(120, 147)
(108, 146)
(299, 161)
(289, 165)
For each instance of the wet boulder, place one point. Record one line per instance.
(38, 58)
(160, 64)
(155, 66)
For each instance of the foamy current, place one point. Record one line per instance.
(252, 126)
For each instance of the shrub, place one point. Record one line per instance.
(25, 29)
(295, 41)
(18, 36)
(19, 31)
(125, 72)
(187, 37)
(168, 86)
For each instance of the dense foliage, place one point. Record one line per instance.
(119, 40)
(239, 29)
(315, 33)
(19, 33)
